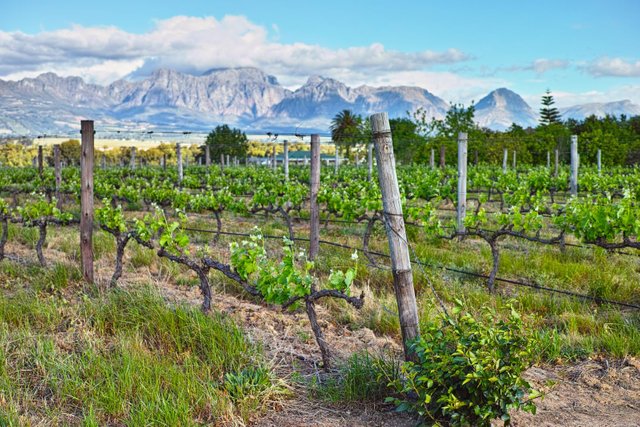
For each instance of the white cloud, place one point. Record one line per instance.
(568, 99)
(193, 44)
(613, 67)
(541, 66)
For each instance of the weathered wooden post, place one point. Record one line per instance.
(40, 161)
(369, 161)
(221, 162)
(164, 162)
(432, 158)
(514, 160)
(599, 161)
(179, 163)
(462, 181)
(573, 183)
(337, 160)
(505, 158)
(314, 233)
(57, 170)
(273, 158)
(548, 159)
(132, 158)
(207, 155)
(442, 156)
(86, 199)
(103, 161)
(286, 159)
(396, 233)
(475, 158)
(555, 171)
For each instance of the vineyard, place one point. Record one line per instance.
(569, 263)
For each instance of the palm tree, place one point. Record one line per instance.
(346, 129)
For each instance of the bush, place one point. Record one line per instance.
(467, 371)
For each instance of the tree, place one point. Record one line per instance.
(443, 133)
(407, 144)
(224, 140)
(548, 113)
(347, 129)
(70, 152)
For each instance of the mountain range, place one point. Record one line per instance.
(243, 97)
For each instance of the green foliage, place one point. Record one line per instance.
(226, 141)
(110, 217)
(170, 234)
(348, 129)
(40, 209)
(548, 113)
(469, 371)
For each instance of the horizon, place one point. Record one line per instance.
(583, 51)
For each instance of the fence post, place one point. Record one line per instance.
(432, 158)
(369, 161)
(228, 164)
(505, 158)
(442, 156)
(207, 155)
(396, 233)
(40, 160)
(132, 159)
(273, 157)
(337, 160)
(179, 163)
(548, 159)
(86, 199)
(57, 170)
(462, 180)
(103, 161)
(514, 160)
(314, 233)
(573, 183)
(221, 162)
(555, 172)
(599, 159)
(286, 159)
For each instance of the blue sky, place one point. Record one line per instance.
(584, 51)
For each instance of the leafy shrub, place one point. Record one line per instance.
(468, 371)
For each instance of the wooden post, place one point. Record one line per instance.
(235, 161)
(548, 159)
(555, 172)
(221, 162)
(462, 180)
(599, 161)
(505, 157)
(337, 160)
(57, 170)
(207, 155)
(514, 160)
(357, 159)
(432, 158)
(573, 183)
(132, 159)
(164, 161)
(396, 233)
(369, 161)
(475, 158)
(314, 233)
(442, 156)
(273, 158)
(286, 159)
(40, 160)
(179, 163)
(103, 161)
(228, 164)
(86, 199)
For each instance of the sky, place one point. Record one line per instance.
(583, 51)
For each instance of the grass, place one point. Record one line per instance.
(125, 358)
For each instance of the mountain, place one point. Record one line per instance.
(502, 107)
(242, 97)
(580, 112)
